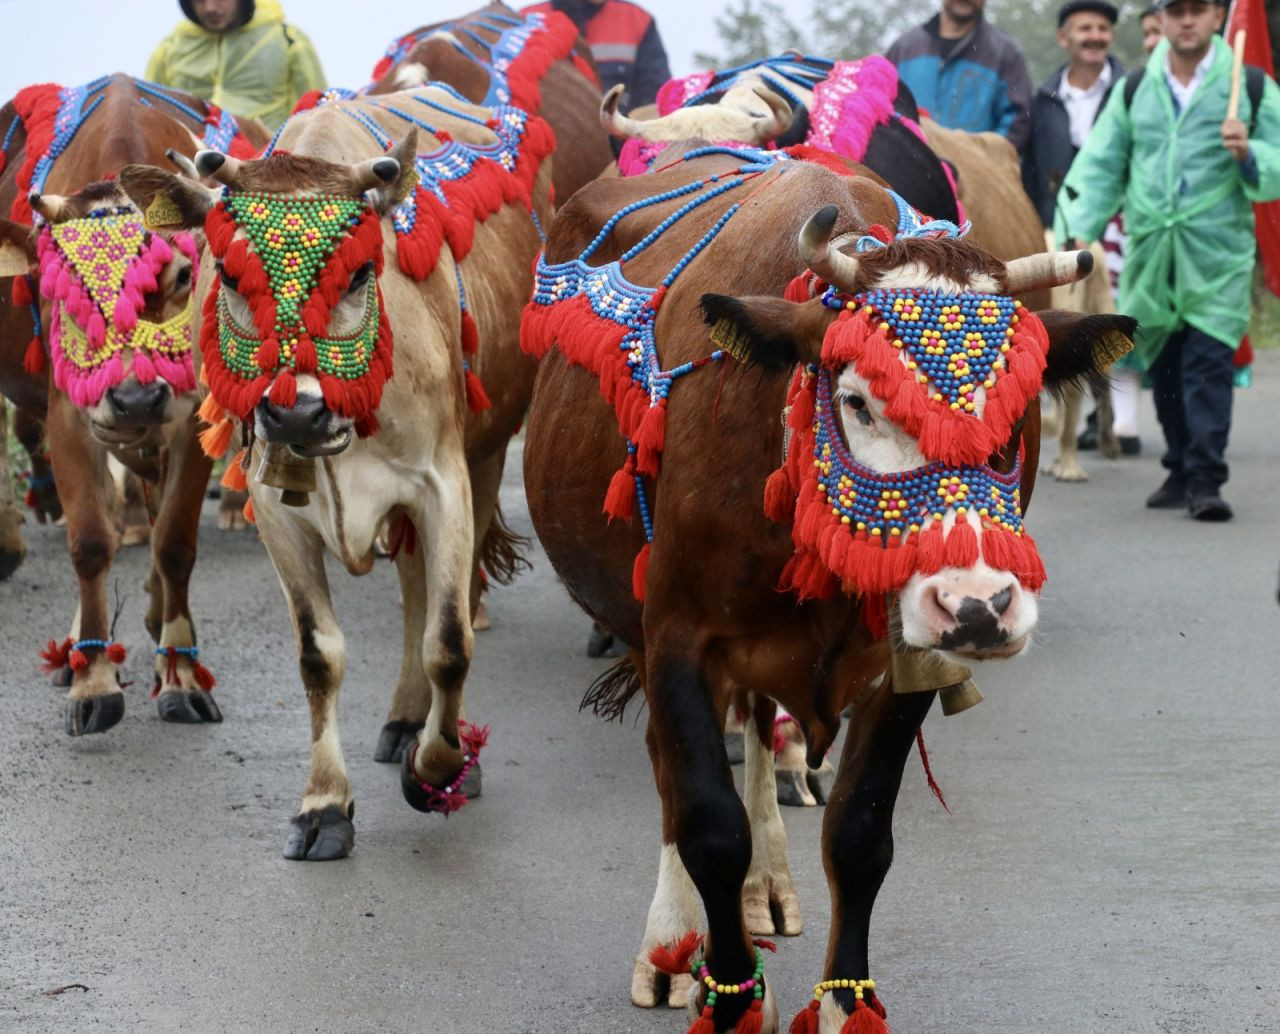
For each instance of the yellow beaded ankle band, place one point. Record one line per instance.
(867, 1016)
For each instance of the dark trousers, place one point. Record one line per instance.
(1192, 379)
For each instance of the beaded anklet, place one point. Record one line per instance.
(867, 1016)
(752, 1021)
(449, 799)
(70, 653)
(203, 676)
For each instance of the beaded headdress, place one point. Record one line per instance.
(956, 372)
(292, 264)
(96, 271)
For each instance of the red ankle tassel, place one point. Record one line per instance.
(116, 653)
(620, 500)
(676, 958)
(751, 1021)
(77, 660)
(640, 573)
(864, 1020)
(204, 677)
(806, 1021)
(477, 398)
(55, 655)
(704, 1024)
(33, 359)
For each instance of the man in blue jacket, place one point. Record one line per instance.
(967, 73)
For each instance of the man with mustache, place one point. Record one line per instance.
(966, 73)
(1187, 177)
(1067, 103)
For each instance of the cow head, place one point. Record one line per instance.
(295, 337)
(748, 112)
(120, 309)
(916, 371)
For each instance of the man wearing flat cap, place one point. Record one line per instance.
(1065, 106)
(1186, 176)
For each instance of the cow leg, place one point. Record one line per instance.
(710, 824)
(1067, 466)
(94, 702)
(769, 898)
(673, 912)
(12, 548)
(857, 833)
(183, 684)
(322, 829)
(412, 697)
(434, 769)
(44, 491)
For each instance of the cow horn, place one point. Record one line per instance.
(615, 122)
(218, 166)
(831, 265)
(185, 165)
(50, 207)
(780, 119)
(1048, 269)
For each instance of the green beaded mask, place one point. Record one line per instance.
(292, 266)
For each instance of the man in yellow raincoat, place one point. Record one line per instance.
(240, 55)
(1186, 177)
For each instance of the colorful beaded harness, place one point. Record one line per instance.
(294, 261)
(956, 372)
(97, 271)
(51, 116)
(602, 321)
(868, 1014)
(678, 958)
(517, 59)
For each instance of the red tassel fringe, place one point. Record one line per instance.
(56, 655)
(477, 397)
(33, 358)
(864, 1020)
(234, 477)
(807, 1021)
(704, 1024)
(640, 572)
(677, 957)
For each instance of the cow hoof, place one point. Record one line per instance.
(599, 643)
(424, 799)
(10, 561)
(94, 714)
(135, 535)
(821, 781)
(1069, 471)
(649, 986)
(771, 906)
(321, 836)
(733, 747)
(60, 678)
(393, 740)
(177, 705)
(793, 789)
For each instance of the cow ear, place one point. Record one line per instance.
(1082, 347)
(769, 332)
(17, 248)
(387, 193)
(166, 201)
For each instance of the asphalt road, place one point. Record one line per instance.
(1111, 864)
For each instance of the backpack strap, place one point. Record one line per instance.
(1131, 83)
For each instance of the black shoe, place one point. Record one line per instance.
(1130, 446)
(1172, 495)
(1087, 440)
(1207, 505)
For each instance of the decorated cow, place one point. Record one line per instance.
(801, 475)
(361, 304)
(102, 299)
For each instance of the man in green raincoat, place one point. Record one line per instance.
(1186, 178)
(241, 56)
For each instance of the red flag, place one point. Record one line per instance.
(1251, 16)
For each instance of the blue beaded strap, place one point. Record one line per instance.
(92, 644)
(35, 482)
(8, 134)
(184, 651)
(72, 114)
(642, 498)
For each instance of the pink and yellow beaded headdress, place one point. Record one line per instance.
(97, 271)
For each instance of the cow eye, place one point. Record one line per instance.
(183, 279)
(859, 406)
(361, 276)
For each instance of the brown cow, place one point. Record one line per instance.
(116, 316)
(692, 582)
(553, 77)
(345, 430)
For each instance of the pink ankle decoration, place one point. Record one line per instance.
(449, 799)
(97, 272)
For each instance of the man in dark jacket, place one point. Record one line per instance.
(966, 73)
(1067, 103)
(624, 44)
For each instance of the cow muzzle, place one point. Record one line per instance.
(974, 615)
(308, 427)
(129, 411)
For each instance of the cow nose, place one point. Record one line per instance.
(977, 622)
(135, 404)
(304, 423)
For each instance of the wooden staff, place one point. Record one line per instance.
(1237, 66)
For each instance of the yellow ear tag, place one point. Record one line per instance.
(162, 212)
(13, 260)
(408, 185)
(1110, 347)
(726, 335)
